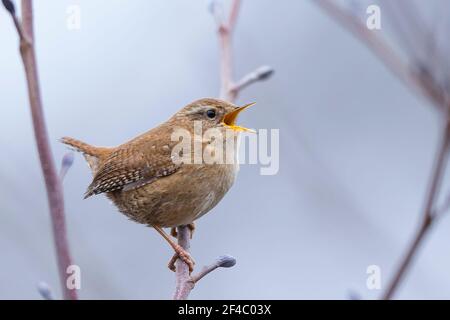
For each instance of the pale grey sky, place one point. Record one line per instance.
(356, 150)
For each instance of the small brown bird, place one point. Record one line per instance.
(145, 182)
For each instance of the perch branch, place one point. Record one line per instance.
(229, 91)
(184, 282)
(51, 177)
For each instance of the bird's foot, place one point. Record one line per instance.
(182, 254)
(174, 233)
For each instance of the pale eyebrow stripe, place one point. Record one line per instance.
(196, 109)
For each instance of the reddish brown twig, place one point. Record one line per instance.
(184, 282)
(422, 81)
(429, 215)
(51, 177)
(225, 30)
(229, 91)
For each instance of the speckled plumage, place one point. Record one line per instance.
(145, 184)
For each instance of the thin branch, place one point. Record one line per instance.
(234, 12)
(221, 262)
(226, 62)
(428, 218)
(260, 74)
(51, 177)
(418, 80)
(444, 208)
(184, 283)
(229, 91)
(216, 9)
(408, 258)
(9, 6)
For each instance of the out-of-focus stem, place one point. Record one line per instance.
(428, 218)
(422, 81)
(225, 30)
(51, 177)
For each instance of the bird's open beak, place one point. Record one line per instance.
(230, 119)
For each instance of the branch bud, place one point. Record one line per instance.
(9, 5)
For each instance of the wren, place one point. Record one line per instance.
(148, 186)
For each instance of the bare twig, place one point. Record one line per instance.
(9, 6)
(229, 91)
(421, 80)
(225, 261)
(428, 218)
(184, 282)
(262, 73)
(418, 80)
(51, 177)
(444, 208)
(225, 30)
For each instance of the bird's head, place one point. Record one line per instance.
(213, 113)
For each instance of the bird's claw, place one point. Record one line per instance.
(182, 254)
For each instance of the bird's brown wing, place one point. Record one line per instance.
(132, 166)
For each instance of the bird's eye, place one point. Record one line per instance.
(211, 113)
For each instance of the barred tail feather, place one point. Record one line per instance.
(93, 155)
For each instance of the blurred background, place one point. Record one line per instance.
(356, 149)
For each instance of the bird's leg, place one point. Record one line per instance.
(171, 264)
(179, 251)
(174, 233)
(191, 227)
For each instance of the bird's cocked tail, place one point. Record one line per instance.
(93, 155)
